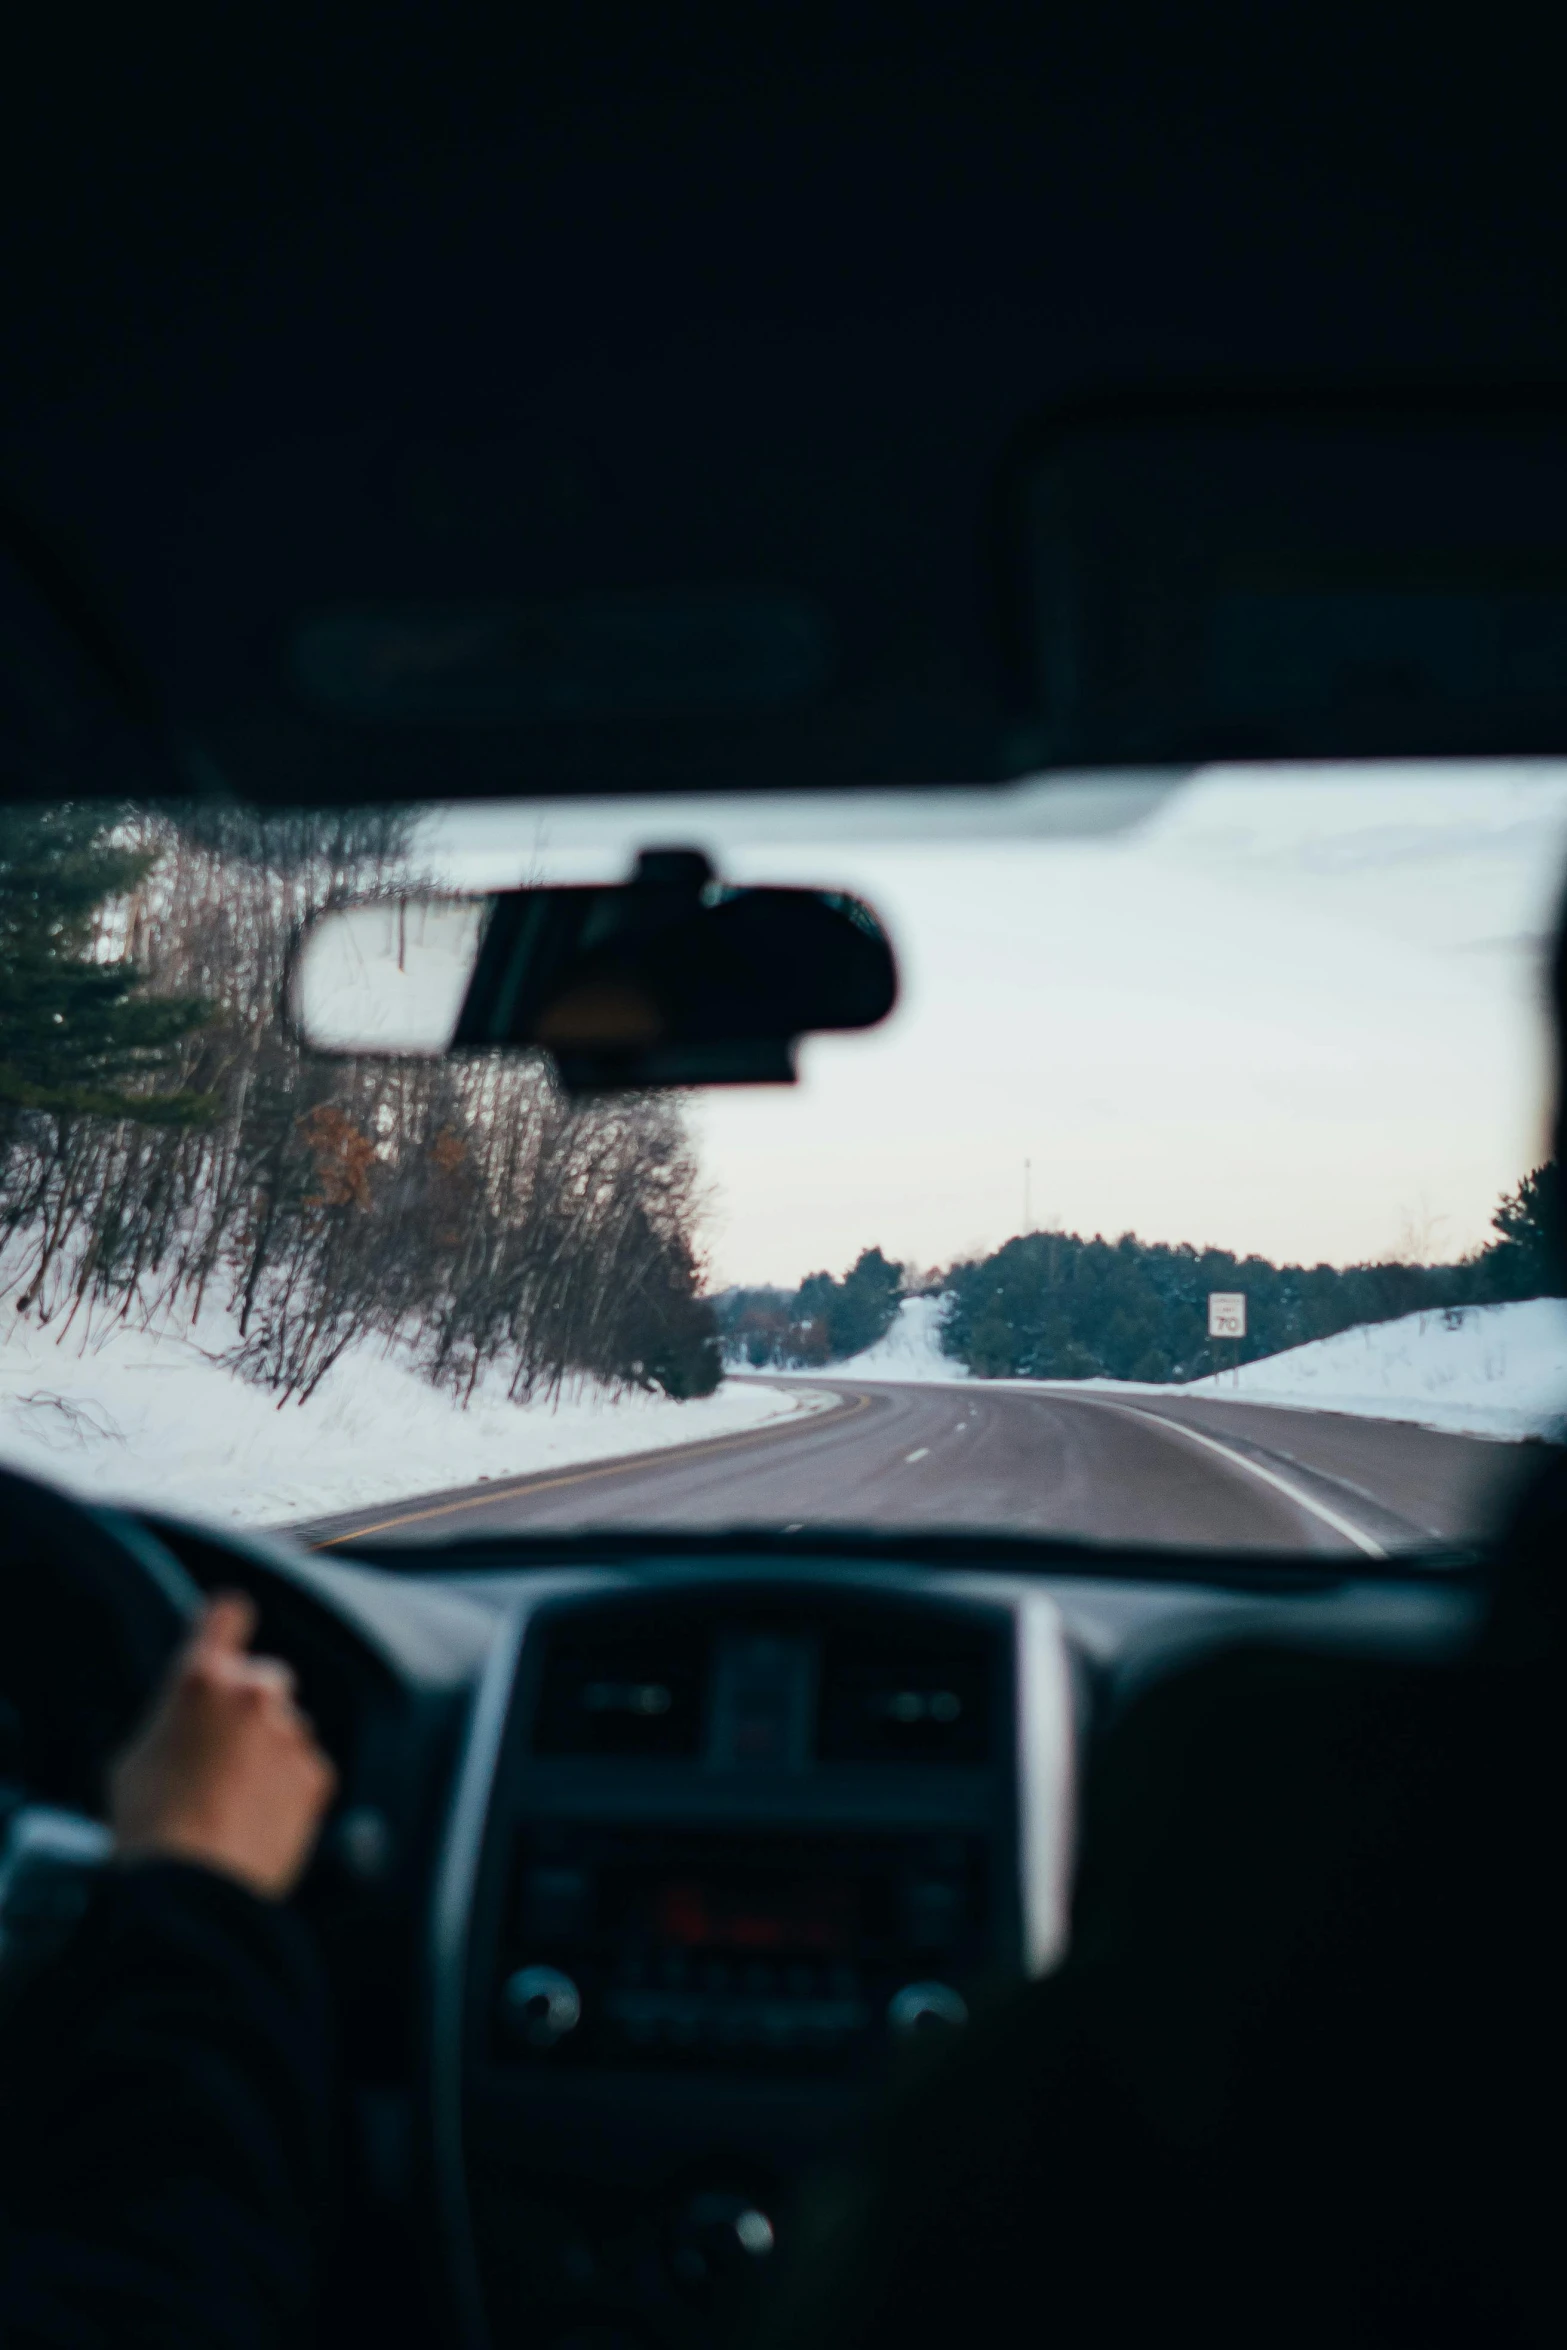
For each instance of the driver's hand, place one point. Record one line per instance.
(226, 1771)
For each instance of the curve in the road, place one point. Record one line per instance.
(1293, 1492)
(1035, 1461)
(511, 1489)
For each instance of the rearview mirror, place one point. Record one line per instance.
(672, 978)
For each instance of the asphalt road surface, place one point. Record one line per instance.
(1137, 1470)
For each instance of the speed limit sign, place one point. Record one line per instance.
(1226, 1313)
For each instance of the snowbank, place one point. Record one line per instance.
(911, 1349)
(1476, 1370)
(152, 1418)
(1473, 1370)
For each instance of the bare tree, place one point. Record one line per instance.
(462, 1211)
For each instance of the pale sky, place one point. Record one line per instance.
(1291, 1011)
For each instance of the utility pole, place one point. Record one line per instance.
(1028, 1165)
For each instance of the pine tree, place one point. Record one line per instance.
(76, 1036)
(866, 1303)
(1525, 1261)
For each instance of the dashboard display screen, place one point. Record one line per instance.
(657, 1897)
(737, 1910)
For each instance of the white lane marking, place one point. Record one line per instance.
(1318, 1509)
(917, 1456)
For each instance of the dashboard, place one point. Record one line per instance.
(649, 1874)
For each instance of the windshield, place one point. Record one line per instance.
(1196, 1192)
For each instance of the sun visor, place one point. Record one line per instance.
(1142, 586)
(1266, 577)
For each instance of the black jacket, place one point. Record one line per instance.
(164, 2125)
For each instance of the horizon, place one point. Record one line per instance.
(931, 1276)
(1292, 1014)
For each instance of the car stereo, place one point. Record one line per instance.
(665, 1946)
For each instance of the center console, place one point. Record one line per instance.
(741, 1843)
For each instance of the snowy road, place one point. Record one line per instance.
(1212, 1473)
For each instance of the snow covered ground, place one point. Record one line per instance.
(152, 1418)
(1477, 1370)
(910, 1350)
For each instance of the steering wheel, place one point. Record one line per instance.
(92, 1608)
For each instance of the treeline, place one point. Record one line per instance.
(822, 1321)
(165, 1142)
(1052, 1305)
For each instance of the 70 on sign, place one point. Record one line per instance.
(1226, 1313)
(1227, 1319)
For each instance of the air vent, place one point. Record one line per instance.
(628, 1691)
(900, 1693)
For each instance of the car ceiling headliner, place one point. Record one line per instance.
(339, 303)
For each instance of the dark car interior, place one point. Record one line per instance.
(413, 409)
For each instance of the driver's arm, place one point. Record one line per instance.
(164, 2087)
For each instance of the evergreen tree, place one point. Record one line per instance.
(669, 1331)
(821, 1322)
(865, 1302)
(76, 1036)
(1526, 1260)
(1056, 1306)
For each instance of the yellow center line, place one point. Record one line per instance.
(640, 1460)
